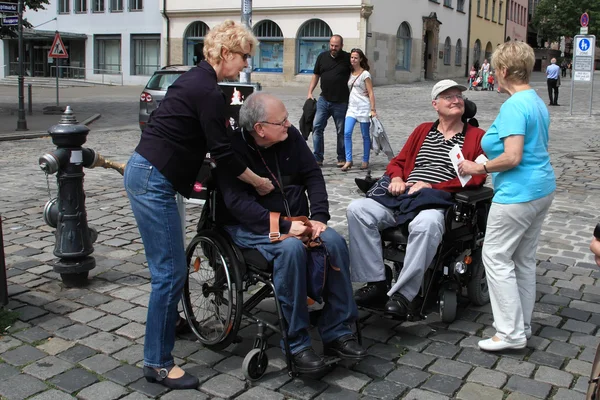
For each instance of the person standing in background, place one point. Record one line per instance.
(552, 80)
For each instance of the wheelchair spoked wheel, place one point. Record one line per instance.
(255, 364)
(212, 295)
(448, 305)
(477, 287)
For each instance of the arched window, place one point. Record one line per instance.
(269, 55)
(458, 55)
(477, 52)
(488, 51)
(194, 42)
(447, 51)
(313, 39)
(403, 47)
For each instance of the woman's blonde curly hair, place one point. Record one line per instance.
(517, 58)
(233, 36)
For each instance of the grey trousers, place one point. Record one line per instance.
(366, 218)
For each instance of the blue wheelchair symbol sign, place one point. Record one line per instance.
(584, 44)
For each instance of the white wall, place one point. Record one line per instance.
(284, 5)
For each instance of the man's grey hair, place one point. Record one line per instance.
(253, 110)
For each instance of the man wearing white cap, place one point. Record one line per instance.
(423, 162)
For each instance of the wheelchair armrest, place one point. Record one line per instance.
(475, 195)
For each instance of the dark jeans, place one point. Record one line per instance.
(326, 109)
(553, 91)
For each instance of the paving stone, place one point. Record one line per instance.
(31, 335)
(149, 389)
(385, 351)
(116, 306)
(410, 342)
(74, 380)
(585, 306)
(572, 294)
(548, 359)
(47, 367)
(6, 371)
(54, 346)
(563, 349)
(579, 326)
(566, 394)
(528, 386)
(135, 396)
(125, 374)
(138, 314)
(130, 355)
(447, 337)
(439, 349)
(108, 323)
(74, 332)
(374, 366)
(466, 327)
(232, 366)
(52, 322)
(487, 377)
(206, 357)
(579, 367)
(555, 334)
(449, 367)
(588, 354)
(553, 376)
(331, 393)
(511, 367)
(21, 386)
(555, 299)
(537, 343)
(259, 393)
(419, 394)
(477, 358)
(520, 396)
(580, 339)
(23, 355)
(274, 380)
(196, 395)
(100, 363)
(443, 384)
(417, 360)
(132, 330)
(473, 391)
(546, 319)
(408, 376)
(52, 394)
(93, 299)
(346, 379)
(581, 384)
(384, 390)
(105, 390)
(105, 342)
(28, 313)
(77, 353)
(183, 348)
(85, 315)
(226, 386)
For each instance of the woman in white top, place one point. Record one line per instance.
(361, 106)
(485, 72)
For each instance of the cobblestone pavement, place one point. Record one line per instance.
(88, 342)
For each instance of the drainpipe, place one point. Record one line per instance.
(168, 44)
(468, 66)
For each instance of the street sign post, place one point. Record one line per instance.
(10, 21)
(58, 51)
(9, 8)
(583, 61)
(585, 19)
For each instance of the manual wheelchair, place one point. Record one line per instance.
(457, 264)
(226, 283)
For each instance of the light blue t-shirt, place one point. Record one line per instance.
(552, 71)
(524, 113)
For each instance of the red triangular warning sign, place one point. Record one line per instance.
(58, 49)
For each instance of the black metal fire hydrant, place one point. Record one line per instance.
(66, 213)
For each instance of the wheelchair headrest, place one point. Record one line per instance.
(470, 109)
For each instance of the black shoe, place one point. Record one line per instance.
(373, 294)
(346, 347)
(307, 362)
(398, 306)
(556, 104)
(187, 381)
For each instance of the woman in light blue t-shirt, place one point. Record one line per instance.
(524, 184)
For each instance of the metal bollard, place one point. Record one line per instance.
(3, 283)
(29, 100)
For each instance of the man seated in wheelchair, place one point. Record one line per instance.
(275, 149)
(422, 165)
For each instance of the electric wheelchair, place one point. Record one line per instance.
(226, 283)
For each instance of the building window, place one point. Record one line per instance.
(479, 8)
(485, 11)
(493, 10)
(269, 55)
(116, 5)
(313, 40)
(447, 51)
(194, 42)
(448, 3)
(98, 6)
(460, 5)
(488, 51)
(458, 55)
(146, 54)
(80, 6)
(136, 5)
(64, 6)
(107, 54)
(500, 19)
(477, 52)
(403, 47)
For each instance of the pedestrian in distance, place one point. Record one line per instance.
(472, 76)
(524, 184)
(563, 68)
(190, 121)
(485, 72)
(553, 82)
(361, 106)
(332, 68)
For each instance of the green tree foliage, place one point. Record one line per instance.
(30, 5)
(556, 18)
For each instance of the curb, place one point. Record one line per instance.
(40, 134)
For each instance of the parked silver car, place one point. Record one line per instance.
(156, 88)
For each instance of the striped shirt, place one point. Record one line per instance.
(433, 164)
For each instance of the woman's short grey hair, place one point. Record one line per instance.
(253, 110)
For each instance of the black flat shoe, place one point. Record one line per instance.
(346, 347)
(397, 306)
(187, 381)
(307, 362)
(372, 295)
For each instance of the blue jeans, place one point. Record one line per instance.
(326, 109)
(289, 278)
(364, 129)
(153, 203)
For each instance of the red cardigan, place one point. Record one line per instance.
(403, 164)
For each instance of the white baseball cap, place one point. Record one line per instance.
(444, 85)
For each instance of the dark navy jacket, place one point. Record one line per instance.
(302, 180)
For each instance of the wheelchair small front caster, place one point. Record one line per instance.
(255, 364)
(448, 305)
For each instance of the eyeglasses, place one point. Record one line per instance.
(244, 55)
(451, 97)
(282, 123)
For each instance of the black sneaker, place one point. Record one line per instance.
(373, 294)
(397, 306)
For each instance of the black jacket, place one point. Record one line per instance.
(304, 184)
(189, 122)
(308, 115)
